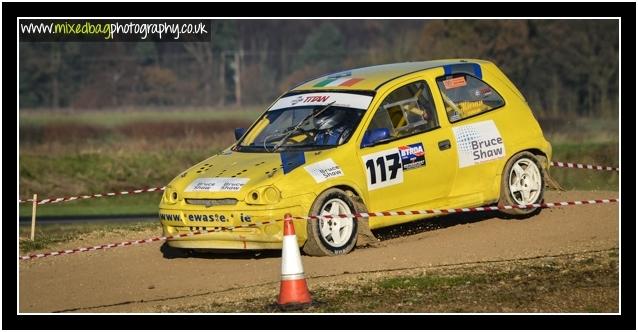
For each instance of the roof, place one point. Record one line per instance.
(370, 78)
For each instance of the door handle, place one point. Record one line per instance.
(444, 145)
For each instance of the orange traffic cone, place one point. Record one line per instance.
(294, 290)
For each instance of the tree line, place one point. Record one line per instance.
(561, 66)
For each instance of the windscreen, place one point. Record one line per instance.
(307, 121)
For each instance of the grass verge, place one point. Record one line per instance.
(603, 154)
(145, 203)
(89, 173)
(111, 118)
(48, 235)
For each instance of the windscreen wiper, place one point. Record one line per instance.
(299, 125)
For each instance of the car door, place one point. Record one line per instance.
(415, 164)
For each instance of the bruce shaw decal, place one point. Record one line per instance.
(385, 168)
(324, 170)
(216, 184)
(478, 142)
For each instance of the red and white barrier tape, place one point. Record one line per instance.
(153, 239)
(448, 211)
(326, 216)
(584, 166)
(72, 198)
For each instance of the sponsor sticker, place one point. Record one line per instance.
(341, 74)
(483, 92)
(216, 184)
(296, 100)
(455, 82)
(324, 170)
(383, 168)
(213, 217)
(338, 81)
(349, 100)
(412, 156)
(478, 142)
(170, 217)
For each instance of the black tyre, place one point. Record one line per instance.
(522, 183)
(333, 236)
(173, 252)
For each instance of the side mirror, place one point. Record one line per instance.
(374, 136)
(239, 132)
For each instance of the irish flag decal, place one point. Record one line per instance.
(338, 81)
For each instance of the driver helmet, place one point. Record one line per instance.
(329, 120)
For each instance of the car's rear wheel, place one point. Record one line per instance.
(332, 236)
(522, 183)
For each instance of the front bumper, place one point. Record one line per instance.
(184, 218)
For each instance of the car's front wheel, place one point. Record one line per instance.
(522, 183)
(332, 236)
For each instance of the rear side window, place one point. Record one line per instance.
(465, 96)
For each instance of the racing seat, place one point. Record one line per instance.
(463, 109)
(469, 108)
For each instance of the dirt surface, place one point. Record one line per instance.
(586, 282)
(141, 279)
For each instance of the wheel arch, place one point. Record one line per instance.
(352, 188)
(543, 157)
(535, 151)
(349, 189)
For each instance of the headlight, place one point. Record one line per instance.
(271, 195)
(170, 195)
(263, 195)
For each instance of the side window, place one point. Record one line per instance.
(407, 110)
(465, 95)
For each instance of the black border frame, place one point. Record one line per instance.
(627, 318)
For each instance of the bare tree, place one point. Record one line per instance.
(203, 55)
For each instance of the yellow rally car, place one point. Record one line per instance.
(407, 136)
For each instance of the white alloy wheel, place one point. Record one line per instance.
(333, 236)
(525, 181)
(336, 231)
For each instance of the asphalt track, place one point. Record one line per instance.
(142, 278)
